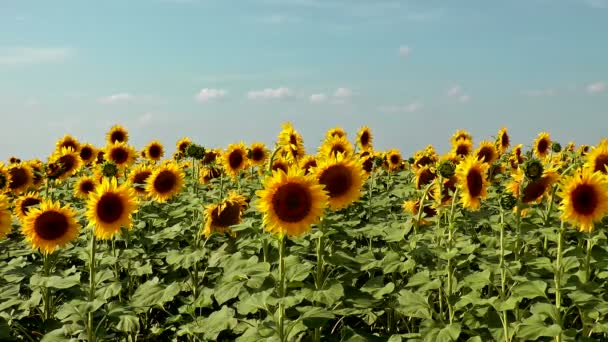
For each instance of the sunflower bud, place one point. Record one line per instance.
(533, 169)
(507, 201)
(556, 147)
(446, 168)
(195, 151)
(411, 160)
(378, 161)
(109, 169)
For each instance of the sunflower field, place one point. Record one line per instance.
(488, 242)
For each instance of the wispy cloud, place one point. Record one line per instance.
(413, 107)
(596, 88)
(318, 98)
(209, 94)
(404, 51)
(456, 92)
(17, 56)
(597, 3)
(270, 94)
(116, 98)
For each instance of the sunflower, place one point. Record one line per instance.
(154, 150)
(69, 162)
(583, 149)
(335, 132)
(14, 160)
(413, 207)
(121, 154)
(424, 176)
(66, 142)
(208, 173)
(117, 134)
(365, 138)
(334, 145)
(21, 178)
(87, 153)
(461, 135)
(138, 177)
(38, 172)
(110, 206)
(308, 163)
(6, 224)
(50, 226)
(5, 178)
(597, 159)
(533, 190)
(211, 156)
(165, 182)
(570, 147)
(462, 148)
(24, 203)
(393, 159)
(100, 158)
(584, 198)
(290, 202)
(502, 140)
(342, 178)
(486, 152)
(291, 143)
(85, 186)
(219, 217)
(258, 154)
(472, 182)
(428, 156)
(542, 145)
(280, 164)
(235, 159)
(443, 193)
(182, 144)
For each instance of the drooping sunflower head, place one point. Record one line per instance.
(101, 157)
(461, 135)
(50, 226)
(221, 216)
(365, 138)
(533, 189)
(235, 159)
(425, 157)
(424, 176)
(5, 217)
(291, 143)
(308, 163)
(502, 140)
(542, 145)
(138, 177)
(597, 159)
(584, 198)
(333, 146)
(442, 192)
(472, 182)
(291, 202)
(486, 152)
(462, 148)
(26, 202)
(211, 156)
(67, 141)
(117, 134)
(280, 164)
(154, 150)
(87, 153)
(165, 182)
(208, 173)
(258, 154)
(21, 178)
(342, 178)
(85, 186)
(110, 207)
(69, 161)
(121, 154)
(583, 149)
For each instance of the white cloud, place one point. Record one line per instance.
(409, 108)
(540, 92)
(456, 93)
(209, 94)
(596, 88)
(464, 98)
(404, 51)
(343, 93)
(318, 98)
(270, 94)
(116, 98)
(15, 56)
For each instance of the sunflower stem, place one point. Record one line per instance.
(47, 290)
(588, 257)
(91, 333)
(549, 207)
(558, 280)
(281, 291)
(503, 275)
(319, 277)
(421, 207)
(449, 247)
(370, 191)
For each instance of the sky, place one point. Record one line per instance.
(225, 71)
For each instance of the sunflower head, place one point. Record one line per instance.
(50, 226)
(461, 135)
(532, 190)
(69, 160)
(291, 143)
(87, 153)
(121, 154)
(542, 145)
(335, 132)
(211, 156)
(584, 198)
(308, 163)
(335, 145)
(446, 168)
(5, 217)
(472, 182)
(257, 154)
(154, 150)
(235, 159)
(138, 177)
(182, 144)
(110, 207)
(290, 202)
(67, 141)
(502, 140)
(533, 168)
(393, 159)
(109, 169)
(365, 138)
(26, 202)
(21, 178)
(221, 216)
(165, 182)
(84, 187)
(208, 173)
(342, 178)
(5, 178)
(280, 164)
(486, 152)
(597, 159)
(507, 201)
(117, 134)
(195, 151)
(462, 148)
(556, 147)
(425, 175)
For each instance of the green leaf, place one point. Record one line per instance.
(449, 334)
(530, 289)
(55, 282)
(219, 321)
(532, 331)
(227, 291)
(56, 335)
(315, 317)
(478, 280)
(151, 293)
(295, 269)
(328, 295)
(128, 324)
(413, 305)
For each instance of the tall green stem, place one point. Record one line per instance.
(92, 250)
(588, 258)
(47, 290)
(503, 275)
(319, 278)
(449, 247)
(281, 328)
(558, 280)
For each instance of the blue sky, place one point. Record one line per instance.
(222, 71)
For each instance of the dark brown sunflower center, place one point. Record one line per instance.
(27, 203)
(424, 160)
(210, 157)
(69, 144)
(504, 140)
(542, 146)
(474, 183)
(235, 159)
(155, 151)
(257, 154)
(110, 207)
(584, 199)
(534, 190)
(68, 161)
(462, 150)
(292, 202)
(337, 180)
(19, 177)
(86, 153)
(279, 166)
(229, 216)
(165, 181)
(51, 225)
(364, 140)
(118, 136)
(100, 157)
(601, 162)
(309, 165)
(293, 139)
(87, 186)
(182, 146)
(395, 159)
(425, 177)
(368, 164)
(119, 155)
(337, 148)
(140, 177)
(486, 154)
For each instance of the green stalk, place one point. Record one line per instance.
(588, 258)
(449, 247)
(47, 290)
(558, 280)
(370, 190)
(319, 277)
(282, 336)
(503, 275)
(91, 333)
(421, 206)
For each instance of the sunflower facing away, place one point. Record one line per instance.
(211, 156)
(87, 153)
(597, 159)
(502, 140)
(258, 154)
(219, 217)
(165, 182)
(331, 147)
(117, 134)
(534, 190)
(21, 178)
(472, 183)
(342, 177)
(66, 142)
(235, 159)
(542, 145)
(291, 202)
(584, 198)
(486, 152)
(121, 154)
(364, 138)
(24, 203)
(291, 143)
(69, 161)
(5, 217)
(110, 206)
(85, 186)
(50, 226)
(154, 150)
(138, 177)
